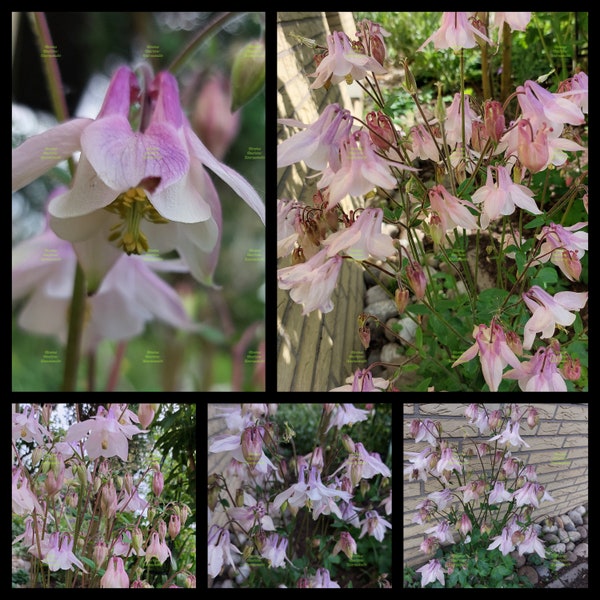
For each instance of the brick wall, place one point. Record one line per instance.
(558, 450)
(316, 352)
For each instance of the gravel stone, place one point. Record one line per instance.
(549, 529)
(551, 538)
(576, 518)
(581, 550)
(558, 548)
(568, 524)
(582, 532)
(574, 536)
(563, 535)
(530, 573)
(383, 310)
(570, 546)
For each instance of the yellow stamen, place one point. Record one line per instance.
(132, 206)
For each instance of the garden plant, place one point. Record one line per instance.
(473, 200)
(487, 495)
(301, 509)
(85, 514)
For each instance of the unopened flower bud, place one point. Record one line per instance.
(185, 512)
(108, 500)
(486, 527)
(410, 83)
(119, 482)
(128, 483)
(82, 474)
(381, 130)
(364, 487)
(348, 443)
(37, 455)
(401, 298)
(346, 544)
(174, 526)
(239, 498)
(137, 539)
(356, 469)
(252, 445)
(364, 333)
(416, 279)
(495, 122)
(145, 415)
(532, 418)
(190, 581)
(100, 553)
(247, 73)
(71, 499)
(158, 483)
(162, 529)
(571, 370)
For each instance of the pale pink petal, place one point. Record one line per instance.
(39, 153)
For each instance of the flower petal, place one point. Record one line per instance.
(41, 152)
(233, 179)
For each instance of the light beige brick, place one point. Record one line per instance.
(574, 441)
(548, 428)
(574, 428)
(578, 452)
(571, 412)
(439, 410)
(408, 409)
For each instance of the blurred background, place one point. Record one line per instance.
(228, 355)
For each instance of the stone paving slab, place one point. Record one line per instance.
(573, 573)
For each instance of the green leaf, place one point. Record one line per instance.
(89, 562)
(419, 337)
(417, 309)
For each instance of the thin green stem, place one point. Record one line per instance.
(217, 23)
(76, 325)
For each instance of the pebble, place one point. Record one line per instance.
(574, 536)
(530, 573)
(383, 309)
(551, 538)
(558, 548)
(570, 546)
(576, 517)
(549, 529)
(581, 550)
(376, 294)
(563, 535)
(582, 532)
(390, 353)
(568, 525)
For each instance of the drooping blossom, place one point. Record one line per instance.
(158, 548)
(499, 494)
(478, 417)
(465, 525)
(322, 579)
(105, 435)
(447, 462)
(455, 32)
(432, 571)
(274, 550)
(503, 541)
(549, 311)
(312, 283)
(60, 554)
(371, 37)
(442, 532)
(420, 464)
(346, 414)
(423, 145)
(531, 543)
(342, 62)
(511, 436)
(363, 381)
(130, 294)
(454, 120)
(115, 575)
(24, 501)
(526, 495)
(146, 414)
(442, 499)
(26, 427)
(252, 513)
(564, 247)
(501, 197)
(363, 239)
(374, 525)
(540, 373)
(424, 430)
(361, 169)
(345, 544)
(452, 211)
(517, 21)
(318, 143)
(494, 353)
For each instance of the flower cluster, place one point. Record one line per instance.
(494, 508)
(485, 156)
(81, 504)
(265, 497)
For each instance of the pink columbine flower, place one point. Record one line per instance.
(129, 295)
(454, 120)
(447, 462)
(575, 89)
(60, 554)
(431, 572)
(115, 576)
(274, 550)
(372, 463)
(549, 311)
(511, 436)
(564, 246)
(361, 169)
(419, 466)
(158, 483)
(363, 239)
(477, 416)
(426, 430)
(342, 62)
(322, 579)
(146, 414)
(465, 525)
(442, 532)
(556, 108)
(312, 283)
(452, 211)
(374, 525)
(503, 541)
(500, 198)
(318, 144)
(540, 373)
(455, 32)
(363, 381)
(371, 36)
(26, 427)
(107, 437)
(345, 544)
(494, 353)
(346, 414)
(517, 21)
(423, 144)
(527, 495)
(531, 543)
(158, 548)
(152, 182)
(442, 499)
(473, 490)
(251, 514)
(499, 494)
